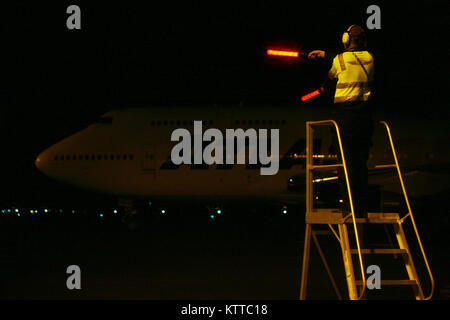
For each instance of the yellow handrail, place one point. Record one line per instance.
(410, 214)
(324, 122)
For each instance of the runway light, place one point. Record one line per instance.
(310, 95)
(282, 53)
(212, 216)
(73, 211)
(219, 211)
(284, 211)
(163, 211)
(101, 215)
(115, 211)
(9, 210)
(18, 214)
(45, 210)
(31, 211)
(16, 210)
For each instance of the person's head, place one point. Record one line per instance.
(354, 38)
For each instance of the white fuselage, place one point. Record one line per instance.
(127, 153)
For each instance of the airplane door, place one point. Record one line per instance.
(148, 160)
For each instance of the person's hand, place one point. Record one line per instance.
(316, 54)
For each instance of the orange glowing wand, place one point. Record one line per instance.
(286, 53)
(310, 95)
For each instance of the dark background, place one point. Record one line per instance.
(56, 81)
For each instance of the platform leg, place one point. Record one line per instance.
(409, 264)
(305, 264)
(346, 255)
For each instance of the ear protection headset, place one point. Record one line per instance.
(347, 37)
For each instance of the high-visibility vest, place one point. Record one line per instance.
(354, 71)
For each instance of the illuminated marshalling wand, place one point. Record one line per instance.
(286, 53)
(293, 54)
(308, 96)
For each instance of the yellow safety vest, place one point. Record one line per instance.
(353, 82)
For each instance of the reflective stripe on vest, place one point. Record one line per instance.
(341, 61)
(358, 84)
(352, 98)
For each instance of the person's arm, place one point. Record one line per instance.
(328, 84)
(321, 54)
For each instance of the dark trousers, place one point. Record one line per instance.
(356, 129)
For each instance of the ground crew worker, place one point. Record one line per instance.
(354, 71)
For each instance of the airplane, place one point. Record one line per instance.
(127, 153)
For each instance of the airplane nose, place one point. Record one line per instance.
(37, 162)
(41, 162)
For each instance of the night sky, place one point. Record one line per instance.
(56, 81)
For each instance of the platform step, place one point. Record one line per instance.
(325, 167)
(392, 283)
(335, 216)
(377, 217)
(380, 251)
